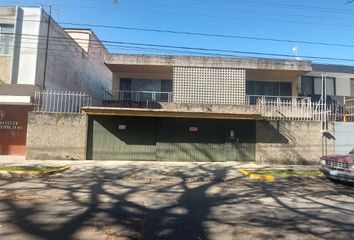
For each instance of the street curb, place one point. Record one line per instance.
(268, 178)
(32, 172)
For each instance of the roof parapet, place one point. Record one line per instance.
(202, 61)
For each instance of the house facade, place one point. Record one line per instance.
(31, 61)
(188, 108)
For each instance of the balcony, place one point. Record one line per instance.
(269, 107)
(273, 107)
(136, 99)
(152, 96)
(293, 100)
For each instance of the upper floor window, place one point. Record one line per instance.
(265, 88)
(6, 39)
(352, 87)
(313, 86)
(330, 86)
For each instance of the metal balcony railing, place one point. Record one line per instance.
(270, 107)
(254, 99)
(348, 109)
(301, 109)
(137, 96)
(60, 101)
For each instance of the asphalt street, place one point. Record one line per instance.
(141, 201)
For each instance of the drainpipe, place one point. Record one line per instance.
(46, 49)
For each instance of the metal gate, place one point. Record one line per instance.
(170, 139)
(240, 141)
(190, 140)
(121, 138)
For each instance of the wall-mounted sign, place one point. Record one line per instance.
(122, 127)
(10, 125)
(2, 115)
(13, 129)
(232, 134)
(193, 129)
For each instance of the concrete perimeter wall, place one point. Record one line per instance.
(56, 136)
(64, 136)
(290, 142)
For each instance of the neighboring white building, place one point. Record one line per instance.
(75, 62)
(340, 81)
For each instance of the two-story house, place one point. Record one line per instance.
(189, 108)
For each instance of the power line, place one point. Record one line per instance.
(212, 16)
(197, 52)
(286, 5)
(201, 34)
(237, 10)
(222, 52)
(225, 2)
(211, 35)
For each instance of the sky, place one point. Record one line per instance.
(315, 21)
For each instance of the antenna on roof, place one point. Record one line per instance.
(295, 51)
(57, 11)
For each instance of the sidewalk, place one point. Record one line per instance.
(152, 171)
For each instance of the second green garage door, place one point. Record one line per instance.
(170, 139)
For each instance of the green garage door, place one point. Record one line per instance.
(240, 139)
(121, 138)
(205, 140)
(190, 140)
(170, 139)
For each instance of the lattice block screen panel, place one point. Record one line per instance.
(209, 85)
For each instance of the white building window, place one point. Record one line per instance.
(331, 90)
(352, 87)
(6, 39)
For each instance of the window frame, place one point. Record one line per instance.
(6, 40)
(351, 87)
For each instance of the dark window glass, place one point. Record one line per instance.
(267, 88)
(6, 39)
(250, 88)
(166, 86)
(259, 88)
(307, 85)
(148, 85)
(285, 89)
(125, 84)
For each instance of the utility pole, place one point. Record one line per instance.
(46, 49)
(324, 113)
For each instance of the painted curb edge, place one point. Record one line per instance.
(32, 172)
(253, 176)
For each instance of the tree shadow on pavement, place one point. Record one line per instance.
(107, 204)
